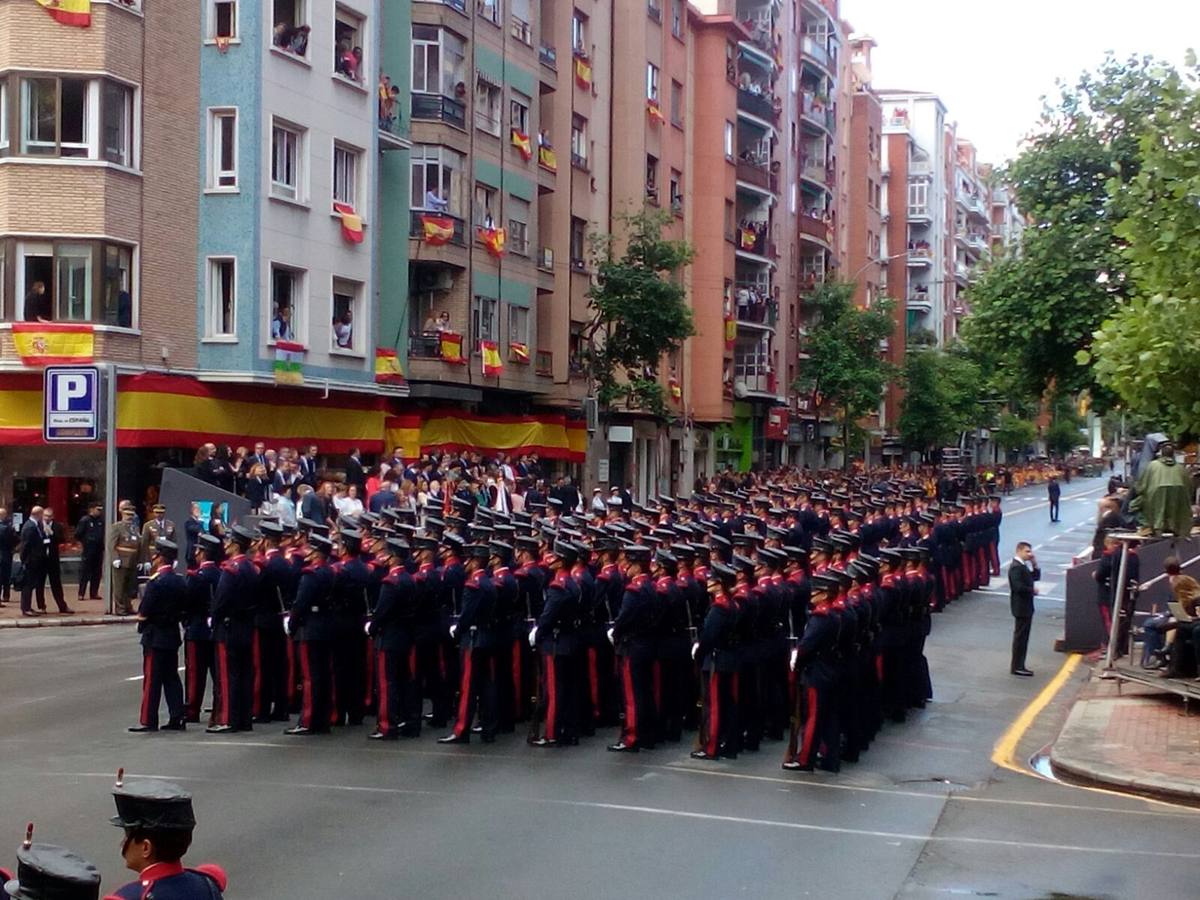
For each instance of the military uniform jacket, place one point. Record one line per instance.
(558, 624)
(892, 614)
(531, 581)
(428, 584)
(395, 612)
(674, 642)
(509, 613)
(276, 590)
(633, 629)
(352, 581)
(718, 644)
(202, 588)
(163, 606)
(312, 611)
(453, 577)
(797, 597)
(610, 588)
(477, 622)
(171, 881)
(818, 646)
(235, 600)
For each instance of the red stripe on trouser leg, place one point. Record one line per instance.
(551, 699)
(412, 662)
(147, 684)
(369, 682)
(442, 660)
(334, 712)
(629, 738)
(383, 719)
(223, 666)
(291, 672)
(464, 696)
(256, 655)
(191, 702)
(518, 689)
(810, 727)
(593, 682)
(879, 667)
(306, 708)
(714, 714)
(657, 681)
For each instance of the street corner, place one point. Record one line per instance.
(1136, 740)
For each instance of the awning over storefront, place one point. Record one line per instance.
(550, 435)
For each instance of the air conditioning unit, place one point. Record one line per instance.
(591, 413)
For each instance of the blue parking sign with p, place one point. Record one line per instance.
(71, 404)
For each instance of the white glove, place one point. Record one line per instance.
(287, 624)
(366, 628)
(610, 636)
(795, 657)
(453, 631)
(695, 650)
(533, 637)
(209, 621)
(116, 564)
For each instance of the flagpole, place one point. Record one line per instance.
(110, 468)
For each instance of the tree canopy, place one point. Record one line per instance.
(941, 398)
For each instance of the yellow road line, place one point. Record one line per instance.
(1006, 747)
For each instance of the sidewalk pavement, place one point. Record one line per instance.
(87, 612)
(1141, 741)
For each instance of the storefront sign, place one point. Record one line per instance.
(71, 404)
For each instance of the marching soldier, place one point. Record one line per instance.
(632, 634)
(163, 606)
(431, 661)
(311, 622)
(352, 583)
(392, 625)
(507, 615)
(556, 639)
(276, 591)
(199, 660)
(814, 661)
(717, 652)
(475, 632)
(232, 613)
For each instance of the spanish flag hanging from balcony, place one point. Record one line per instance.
(451, 347)
(69, 12)
(730, 332)
(493, 239)
(655, 112)
(352, 224)
(387, 367)
(519, 353)
(676, 390)
(289, 363)
(583, 73)
(437, 230)
(522, 143)
(490, 353)
(547, 158)
(50, 344)
(748, 237)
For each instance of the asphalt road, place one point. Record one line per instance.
(927, 812)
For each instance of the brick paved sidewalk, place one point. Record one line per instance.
(87, 612)
(1141, 741)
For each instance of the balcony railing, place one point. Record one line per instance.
(814, 226)
(759, 382)
(417, 226)
(426, 346)
(761, 313)
(816, 111)
(810, 47)
(521, 31)
(548, 56)
(751, 241)
(435, 107)
(763, 106)
(757, 175)
(543, 364)
(818, 172)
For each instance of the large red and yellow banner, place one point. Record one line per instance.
(550, 435)
(69, 12)
(53, 343)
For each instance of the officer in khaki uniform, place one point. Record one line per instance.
(124, 550)
(154, 529)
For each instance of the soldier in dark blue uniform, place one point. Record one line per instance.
(197, 630)
(392, 627)
(163, 607)
(47, 872)
(232, 612)
(312, 624)
(672, 648)
(531, 581)
(633, 635)
(556, 638)
(158, 821)
(431, 667)
(352, 582)
(508, 613)
(814, 660)
(717, 652)
(475, 630)
(277, 590)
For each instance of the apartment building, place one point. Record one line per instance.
(972, 227)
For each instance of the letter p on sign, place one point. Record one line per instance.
(69, 387)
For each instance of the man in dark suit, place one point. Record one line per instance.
(1053, 492)
(58, 537)
(8, 543)
(1022, 573)
(354, 472)
(34, 549)
(90, 535)
(307, 467)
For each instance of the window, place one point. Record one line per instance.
(518, 225)
(222, 19)
(579, 42)
(3, 121)
(437, 179)
(54, 116)
(518, 112)
(519, 13)
(222, 149)
(677, 18)
(70, 281)
(483, 320)
(116, 122)
(68, 117)
(654, 10)
(347, 300)
(578, 243)
(918, 197)
(291, 26)
(652, 178)
(438, 60)
(345, 175)
(652, 82)
(729, 139)
(579, 141)
(676, 187)
(287, 303)
(490, 10)
(348, 43)
(222, 298)
(286, 160)
(730, 62)
(518, 324)
(676, 103)
(487, 106)
(486, 207)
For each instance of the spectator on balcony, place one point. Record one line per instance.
(283, 35)
(37, 304)
(435, 202)
(299, 42)
(281, 325)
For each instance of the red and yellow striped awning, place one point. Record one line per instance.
(551, 435)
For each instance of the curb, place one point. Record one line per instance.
(1073, 768)
(67, 621)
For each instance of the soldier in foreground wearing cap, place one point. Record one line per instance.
(158, 822)
(312, 625)
(556, 639)
(199, 660)
(352, 584)
(632, 634)
(232, 614)
(392, 626)
(48, 872)
(276, 590)
(717, 653)
(475, 632)
(163, 606)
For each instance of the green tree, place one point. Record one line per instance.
(941, 398)
(1014, 433)
(1146, 351)
(1034, 311)
(1063, 436)
(843, 367)
(640, 311)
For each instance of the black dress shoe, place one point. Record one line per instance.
(1025, 673)
(544, 742)
(476, 729)
(299, 730)
(380, 736)
(219, 729)
(66, 612)
(455, 739)
(29, 613)
(141, 729)
(622, 747)
(177, 725)
(701, 754)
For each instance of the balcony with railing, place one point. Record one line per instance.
(816, 111)
(759, 102)
(918, 299)
(815, 52)
(816, 224)
(548, 56)
(755, 170)
(751, 237)
(521, 30)
(920, 253)
(426, 225)
(818, 172)
(438, 108)
(756, 310)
